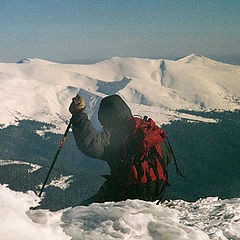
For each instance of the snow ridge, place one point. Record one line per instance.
(42, 90)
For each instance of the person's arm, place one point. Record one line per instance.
(87, 140)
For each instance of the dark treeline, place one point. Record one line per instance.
(208, 154)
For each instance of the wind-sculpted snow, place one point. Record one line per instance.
(220, 219)
(209, 218)
(42, 90)
(127, 220)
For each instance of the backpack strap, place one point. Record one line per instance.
(175, 161)
(157, 151)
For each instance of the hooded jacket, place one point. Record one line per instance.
(108, 144)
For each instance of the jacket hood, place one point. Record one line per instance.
(113, 111)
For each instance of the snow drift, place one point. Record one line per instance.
(15, 224)
(209, 218)
(42, 90)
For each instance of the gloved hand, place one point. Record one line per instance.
(78, 104)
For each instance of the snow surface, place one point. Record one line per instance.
(15, 224)
(42, 90)
(209, 218)
(34, 167)
(63, 182)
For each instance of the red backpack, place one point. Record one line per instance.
(142, 154)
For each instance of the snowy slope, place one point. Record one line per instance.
(209, 218)
(42, 90)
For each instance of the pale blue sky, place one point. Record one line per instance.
(79, 31)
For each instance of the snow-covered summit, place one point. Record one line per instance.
(193, 58)
(42, 90)
(34, 60)
(25, 60)
(201, 60)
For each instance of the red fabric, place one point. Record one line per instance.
(147, 135)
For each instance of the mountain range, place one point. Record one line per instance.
(41, 90)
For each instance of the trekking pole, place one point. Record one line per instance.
(55, 158)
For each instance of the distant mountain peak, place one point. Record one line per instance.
(34, 60)
(197, 59)
(193, 57)
(25, 60)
